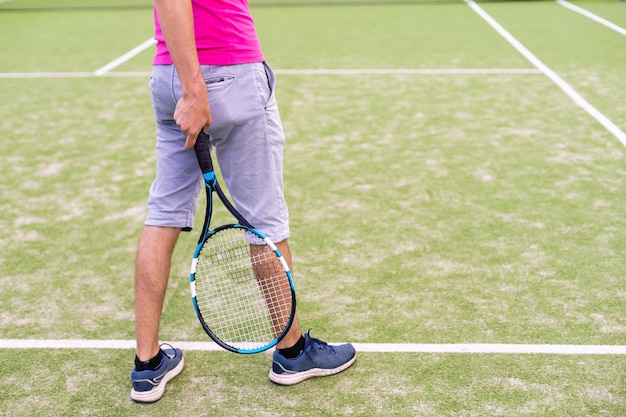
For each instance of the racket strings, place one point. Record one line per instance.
(241, 288)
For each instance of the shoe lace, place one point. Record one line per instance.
(171, 349)
(318, 344)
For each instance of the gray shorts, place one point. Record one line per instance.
(248, 138)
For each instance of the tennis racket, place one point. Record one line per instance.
(241, 285)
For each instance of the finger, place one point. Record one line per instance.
(190, 141)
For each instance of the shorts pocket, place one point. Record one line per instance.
(219, 81)
(266, 84)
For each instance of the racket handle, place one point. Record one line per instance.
(203, 153)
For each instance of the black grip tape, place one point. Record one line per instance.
(203, 153)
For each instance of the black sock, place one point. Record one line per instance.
(294, 351)
(150, 365)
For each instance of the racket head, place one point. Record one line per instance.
(242, 289)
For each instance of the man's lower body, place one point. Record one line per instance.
(249, 141)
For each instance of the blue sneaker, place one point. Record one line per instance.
(149, 386)
(317, 359)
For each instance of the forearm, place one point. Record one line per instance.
(192, 110)
(176, 20)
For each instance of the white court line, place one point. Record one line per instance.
(409, 71)
(78, 74)
(592, 16)
(356, 71)
(361, 347)
(578, 99)
(127, 56)
(10, 75)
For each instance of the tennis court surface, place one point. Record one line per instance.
(455, 172)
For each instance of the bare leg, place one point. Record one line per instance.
(152, 270)
(294, 333)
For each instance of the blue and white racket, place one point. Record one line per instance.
(241, 285)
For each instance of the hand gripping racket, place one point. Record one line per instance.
(241, 285)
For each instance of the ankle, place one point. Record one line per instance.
(293, 351)
(149, 365)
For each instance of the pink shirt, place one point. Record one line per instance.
(225, 34)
